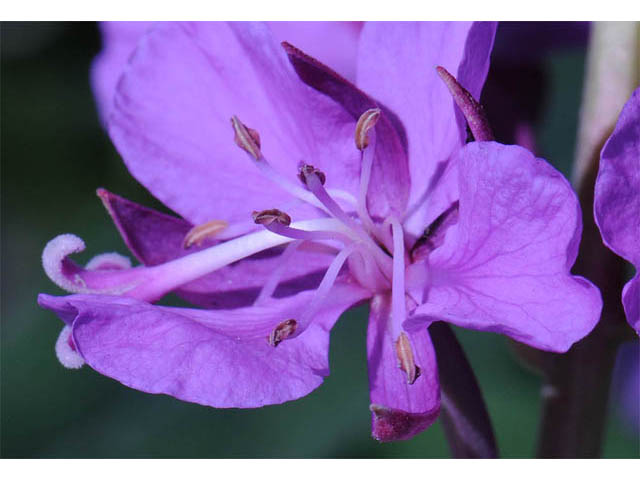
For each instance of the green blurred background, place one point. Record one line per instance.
(54, 156)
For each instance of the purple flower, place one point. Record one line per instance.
(409, 217)
(617, 199)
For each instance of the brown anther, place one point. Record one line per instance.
(406, 362)
(306, 170)
(201, 232)
(246, 138)
(267, 217)
(365, 123)
(283, 331)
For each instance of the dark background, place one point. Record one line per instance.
(54, 156)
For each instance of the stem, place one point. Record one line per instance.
(576, 388)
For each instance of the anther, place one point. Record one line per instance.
(246, 138)
(267, 217)
(406, 362)
(308, 170)
(365, 123)
(199, 233)
(283, 331)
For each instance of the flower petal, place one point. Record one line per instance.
(333, 43)
(388, 187)
(399, 410)
(505, 266)
(119, 40)
(397, 65)
(617, 196)
(171, 120)
(155, 238)
(216, 358)
(631, 302)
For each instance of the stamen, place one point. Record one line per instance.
(325, 286)
(313, 181)
(365, 123)
(398, 303)
(199, 233)
(164, 278)
(283, 331)
(274, 279)
(267, 217)
(246, 138)
(247, 141)
(308, 170)
(406, 362)
(471, 109)
(278, 222)
(433, 235)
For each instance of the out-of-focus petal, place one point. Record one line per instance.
(631, 302)
(155, 238)
(333, 43)
(171, 122)
(617, 197)
(119, 40)
(399, 410)
(397, 66)
(505, 266)
(215, 358)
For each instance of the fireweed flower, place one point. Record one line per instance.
(312, 201)
(617, 199)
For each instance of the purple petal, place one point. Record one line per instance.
(399, 410)
(171, 122)
(333, 43)
(216, 358)
(617, 197)
(631, 302)
(397, 65)
(119, 39)
(505, 267)
(388, 187)
(155, 238)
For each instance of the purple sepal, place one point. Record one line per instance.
(390, 424)
(465, 419)
(471, 109)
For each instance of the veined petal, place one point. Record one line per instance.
(171, 121)
(212, 357)
(155, 238)
(334, 43)
(617, 197)
(399, 410)
(397, 66)
(505, 266)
